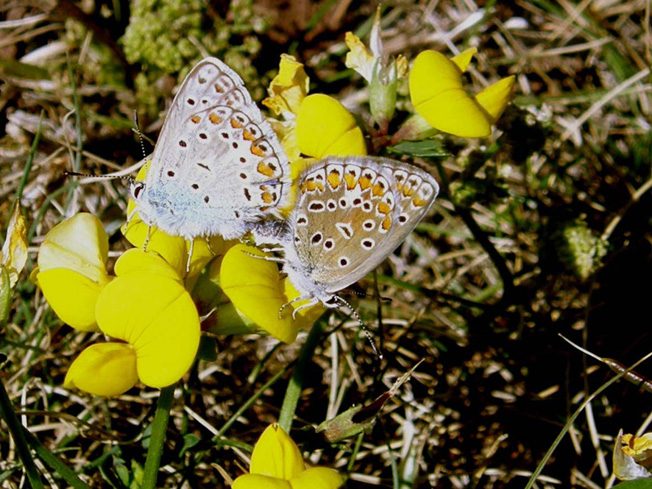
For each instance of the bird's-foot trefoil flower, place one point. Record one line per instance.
(315, 125)
(381, 71)
(156, 325)
(438, 96)
(13, 257)
(258, 293)
(72, 269)
(276, 463)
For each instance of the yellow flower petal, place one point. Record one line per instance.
(463, 60)
(276, 455)
(254, 287)
(324, 127)
(14, 250)
(438, 96)
(171, 248)
(317, 478)
(156, 316)
(103, 369)
(255, 481)
(71, 296)
(359, 58)
(137, 260)
(288, 89)
(79, 244)
(495, 98)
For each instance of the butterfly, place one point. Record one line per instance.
(351, 213)
(218, 168)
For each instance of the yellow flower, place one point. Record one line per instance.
(71, 269)
(147, 307)
(632, 456)
(325, 128)
(254, 287)
(13, 257)
(315, 125)
(438, 96)
(380, 71)
(288, 89)
(103, 369)
(276, 462)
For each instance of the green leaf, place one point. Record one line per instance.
(636, 484)
(428, 147)
(189, 441)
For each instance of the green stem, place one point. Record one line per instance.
(293, 391)
(17, 433)
(157, 438)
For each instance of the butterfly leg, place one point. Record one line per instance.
(192, 248)
(208, 245)
(266, 258)
(298, 299)
(312, 302)
(147, 237)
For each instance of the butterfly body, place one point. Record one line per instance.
(218, 167)
(350, 214)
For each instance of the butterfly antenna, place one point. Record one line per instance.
(140, 134)
(355, 314)
(98, 177)
(363, 294)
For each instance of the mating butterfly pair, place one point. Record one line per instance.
(219, 168)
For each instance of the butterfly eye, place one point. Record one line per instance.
(137, 189)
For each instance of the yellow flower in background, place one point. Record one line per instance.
(147, 307)
(72, 269)
(325, 128)
(438, 96)
(365, 61)
(379, 70)
(256, 290)
(13, 257)
(315, 125)
(632, 456)
(276, 462)
(288, 88)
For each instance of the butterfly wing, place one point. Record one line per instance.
(352, 213)
(218, 165)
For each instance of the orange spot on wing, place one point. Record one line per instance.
(364, 183)
(255, 149)
(334, 179)
(386, 224)
(236, 124)
(419, 202)
(214, 118)
(383, 208)
(267, 197)
(408, 191)
(311, 186)
(264, 169)
(247, 135)
(195, 119)
(350, 180)
(378, 190)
